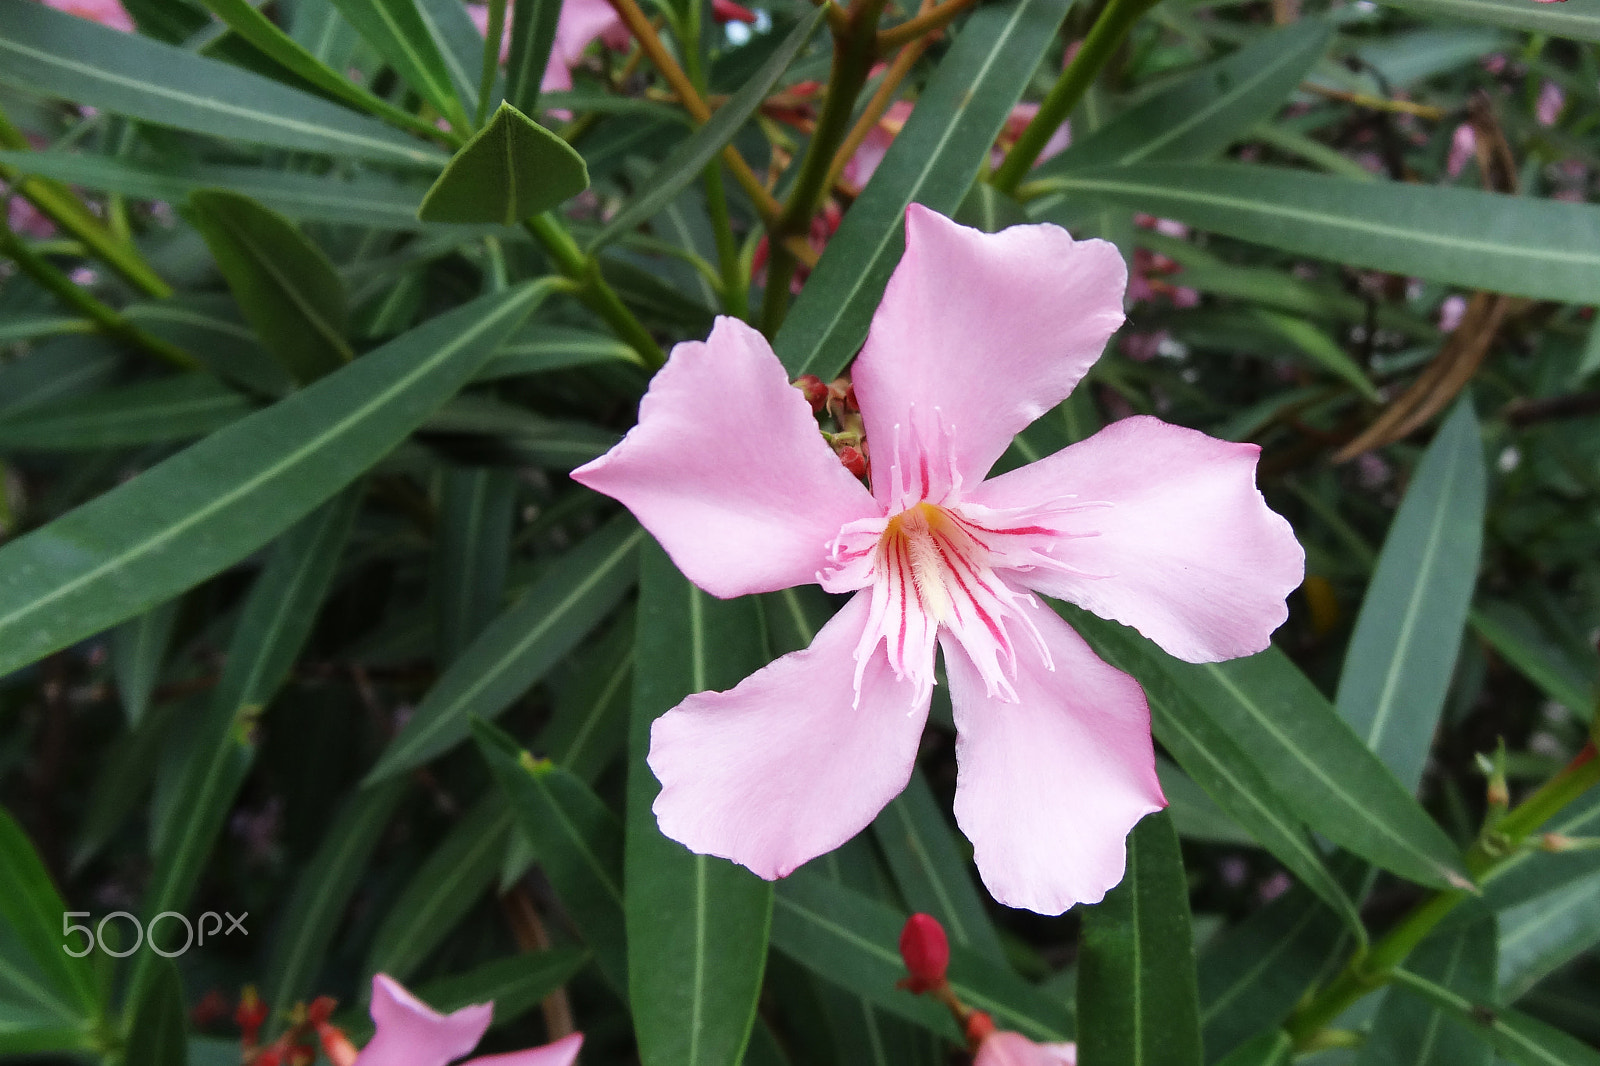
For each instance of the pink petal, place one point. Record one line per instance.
(984, 331)
(1005, 1048)
(562, 1052)
(106, 12)
(410, 1033)
(1183, 548)
(790, 764)
(728, 470)
(1049, 786)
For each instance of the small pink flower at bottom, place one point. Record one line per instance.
(1152, 525)
(1005, 1048)
(410, 1033)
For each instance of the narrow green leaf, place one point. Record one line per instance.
(138, 648)
(1207, 110)
(130, 767)
(322, 893)
(1403, 652)
(471, 552)
(36, 916)
(1137, 998)
(287, 288)
(852, 940)
(578, 842)
(1542, 935)
(688, 160)
(512, 169)
(56, 369)
(158, 1034)
(533, 34)
(169, 409)
(276, 622)
(1323, 350)
(1528, 874)
(932, 874)
(1518, 1038)
(210, 327)
(460, 45)
(697, 926)
(50, 52)
(248, 22)
(1545, 249)
(213, 504)
(1577, 19)
(544, 348)
(588, 728)
(33, 326)
(933, 162)
(448, 884)
(1408, 1031)
(514, 984)
(1313, 760)
(397, 30)
(519, 646)
(1272, 1048)
(1522, 641)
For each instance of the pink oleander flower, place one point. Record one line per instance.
(1005, 1048)
(1463, 149)
(1552, 100)
(580, 22)
(24, 219)
(106, 12)
(1153, 525)
(410, 1033)
(864, 163)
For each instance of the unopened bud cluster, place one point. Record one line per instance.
(836, 402)
(294, 1047)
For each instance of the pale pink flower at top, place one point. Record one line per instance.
(410, 1033)
(1153, 525)
(1551, 102)
(579, 23)
(864, 163)
(106, 12)
(1005, 1048)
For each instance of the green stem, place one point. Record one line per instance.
(1106, 35)
(855, 49)
(61, 206)
(1363, 974)
(74, 296)
(491, 57)
(735, 282)
(593, 290)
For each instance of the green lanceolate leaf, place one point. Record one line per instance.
(533, 33)
(47, 51)
(519, 646)
(1137, 998)
(471, 552)
(1297, 741)
(1577, 19)
(1518, 1038)
(1206, 111)
(171, 409)
(213, 504)
(1409, 1031)
(1272, 1048)
(514, 984)
(158, 1031)
(1403, 652)
(588, 728)
(461, 47)
(852, 940)
(36, 917)
(442, 890)
(578, 842)
(67, 366)
(1521, 640)
(276, 622)
(1519, 245)
(323, 892)
(697, 926)
(688, 160)
(512, 169)
(930, 871)
(1542, 935)
(397, 31)
(546, 348)
(285, 285)
(138, 648)
(932, 162)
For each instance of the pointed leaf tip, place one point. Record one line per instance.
(512, 169)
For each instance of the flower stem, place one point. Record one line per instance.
(593, 290)
(1104, 38)
(883, 96)
(58, 203)
(76, 297)
(921, 25)
(855, 48)
(1364, 973)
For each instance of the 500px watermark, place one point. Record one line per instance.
(95, 936)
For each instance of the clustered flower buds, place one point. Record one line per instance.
(837, 402)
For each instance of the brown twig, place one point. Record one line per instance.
(527, 928)
(1374, 103)
(922, 24)
(884, 95)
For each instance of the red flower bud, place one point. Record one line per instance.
(923, 945)
(251, 1015)
(979, 1028)
(856, 463)
(816, 393)
(728, 11)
